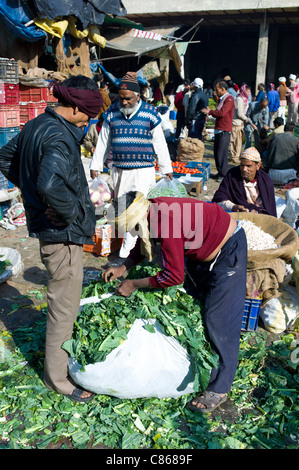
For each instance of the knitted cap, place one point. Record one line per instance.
(251, 154)
(130, 82)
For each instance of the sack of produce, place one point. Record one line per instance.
(190, 149)
(285, 237)
(151, 344)
(167, 188)
(10, 263)
(271, 244)
(281, 313)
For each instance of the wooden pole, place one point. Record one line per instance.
(262, 53)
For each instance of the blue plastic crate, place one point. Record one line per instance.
(251, 314)
(203, 170)
(203, 167)
(7, 133)
(4, 183)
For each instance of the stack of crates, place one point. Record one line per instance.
(9, 100)
(33, 102)
(9, 114)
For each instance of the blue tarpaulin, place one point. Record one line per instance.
(112, 78)
(15, 14)
(87, 11)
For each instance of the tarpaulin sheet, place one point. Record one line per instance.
(88, 11)
(15, 14)
(116, 81)
(126, 43)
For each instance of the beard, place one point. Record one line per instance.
(128, 111)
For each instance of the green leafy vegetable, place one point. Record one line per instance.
(102, 326)
(4, 264)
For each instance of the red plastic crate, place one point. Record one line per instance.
(33, 94)
(36, 94)
(9, 93)
(9, 115)
(51, 98)
(30, 111)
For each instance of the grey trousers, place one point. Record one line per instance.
(64, 264)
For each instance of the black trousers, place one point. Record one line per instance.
(196, 129)
(221, 146)
(180, 123)
(221, 285)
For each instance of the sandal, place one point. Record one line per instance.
(208, 398)
(76, 396)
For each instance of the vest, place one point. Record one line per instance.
(131, 137)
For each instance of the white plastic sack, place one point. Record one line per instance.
(145, 365)
(280, 206)
(280, 313)
(291, 212)
(282, 176)
(16, 265)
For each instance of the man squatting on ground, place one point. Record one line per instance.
(215, 249)
(44, 161)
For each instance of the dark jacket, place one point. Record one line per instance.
(283, 153)
(197, 102)
(44, 161)
(232, 189)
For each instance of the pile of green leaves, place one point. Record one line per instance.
(101, 327)
(261, 413)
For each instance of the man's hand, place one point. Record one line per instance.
(169, 175)
(94, 174)
(205, 110)
(52, 216)
(126, 288)
(239, 208)
(113, 272)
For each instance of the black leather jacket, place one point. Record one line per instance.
(197, 102)
(44, 161)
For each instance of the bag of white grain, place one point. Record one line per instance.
(267, 256)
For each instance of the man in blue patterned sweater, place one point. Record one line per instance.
(132, 129)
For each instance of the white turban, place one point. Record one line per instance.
(282, 79)
(292, 76)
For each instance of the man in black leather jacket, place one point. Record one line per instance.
(44, 161)
(195, 118)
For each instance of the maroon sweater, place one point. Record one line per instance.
(224, 116)
(185, 227)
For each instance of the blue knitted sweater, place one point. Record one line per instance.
(131, 137)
